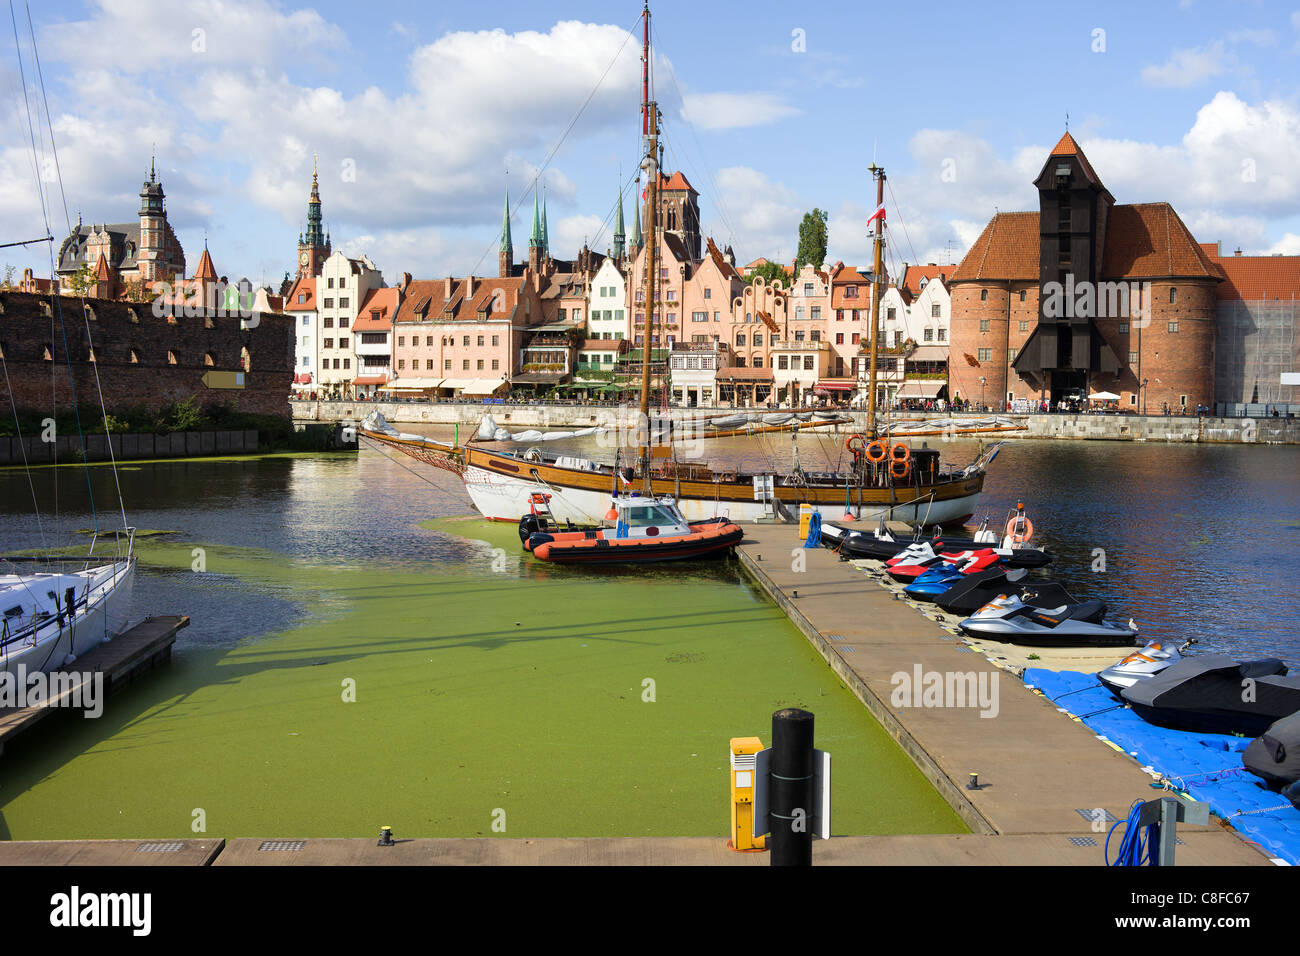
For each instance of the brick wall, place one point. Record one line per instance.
(142, 360)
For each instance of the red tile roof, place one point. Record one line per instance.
(1256, 278)
(430, 295)
(914, 274)
(1143, 241)
(301, 285)
(381, 301)
(726, 268)
(675, 182)
(206, 270)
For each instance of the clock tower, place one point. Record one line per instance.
(314, 245)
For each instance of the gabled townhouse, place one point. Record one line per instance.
(300, 303)
(373, 335)
(341, 287)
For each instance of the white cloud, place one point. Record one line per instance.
(764, 213)
(1288, 245)
(1189, 67)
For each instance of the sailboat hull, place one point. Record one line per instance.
(46, 645)
(500, 487)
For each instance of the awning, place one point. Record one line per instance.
(456, 384)
(929, 353)
(834, 386)
(410, 384)
(370, 380)
(745, 374)
(921, 389)
(1103, 397)
(483, 386)
(302, 378)
(537, 378)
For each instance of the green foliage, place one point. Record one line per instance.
(812, 239)
(81, 282)
(768, 272)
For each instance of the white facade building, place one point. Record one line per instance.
(341, 287)
(607, 304)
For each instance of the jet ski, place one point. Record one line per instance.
(1214, 693)
(1142, 664)
(913, 566)
(881, 547)
(1274, 756)
(968, 596)
(1008, 618)
(934, 582)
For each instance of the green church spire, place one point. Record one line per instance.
(546, 238)
(506, 246)
(619, 237)
(535, 240)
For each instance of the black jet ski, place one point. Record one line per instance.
(1216, 694)
(881, 545)
(969, 595)
(1275, 755)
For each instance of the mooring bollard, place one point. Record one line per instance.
(791, 774)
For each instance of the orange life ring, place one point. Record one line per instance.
(879, 446)
(900, 468)
(1022, 536)
(906, 455)
(861, 443)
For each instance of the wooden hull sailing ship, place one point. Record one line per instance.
(889, 480)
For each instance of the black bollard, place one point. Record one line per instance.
(791, 787)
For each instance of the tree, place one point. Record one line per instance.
(812, 239)
(81, 281)
(768, 271)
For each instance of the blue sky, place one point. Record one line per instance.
(416, 112)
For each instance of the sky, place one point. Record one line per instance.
(424, 114)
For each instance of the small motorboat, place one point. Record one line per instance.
(1142, 664)
(1274, 756)
(645, 530)
(1214, 693)
(1008, 618)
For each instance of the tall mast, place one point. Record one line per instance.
(879, 174)
(650, 165)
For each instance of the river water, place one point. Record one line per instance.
(486, 682)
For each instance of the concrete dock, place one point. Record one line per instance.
(1043, 776)
(121, 660)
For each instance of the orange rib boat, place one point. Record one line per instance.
(645, 530)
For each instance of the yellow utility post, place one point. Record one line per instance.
(743, 750)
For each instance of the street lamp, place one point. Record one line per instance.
(982, 382)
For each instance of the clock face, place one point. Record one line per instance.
(303, 258)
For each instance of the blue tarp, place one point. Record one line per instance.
(1206, 766)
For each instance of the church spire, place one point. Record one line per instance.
(506, 246)
(535, 240)
(636, 229)
(546, 237)
(620, 239)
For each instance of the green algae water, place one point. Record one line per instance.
(361, 657)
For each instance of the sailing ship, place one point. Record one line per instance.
(891, 481)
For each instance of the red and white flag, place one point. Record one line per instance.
(878, 214)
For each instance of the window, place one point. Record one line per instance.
(1123, 328)
(1133, 399)
(1173, 326)
(943, 335)
(1011, 354)
(984, 295)
(699, 316)
(496, 365)
(708, 293)
(1022, 295)
(347, 363)
(816, 335)
(670, 295)
(984, 325)
(758, 339)
(839, 315)
(783, 361)
(336, 364)
(343, 303)
(985, 355)
(343, 321)
(1173, 297)
(1182, 400)
(480, 365)
(855, 338)
(850, 292)
(401, 365)
(758, 361)
(1024, 325)
(329, 303)
(302, 299)
(1132, 358)
(799, 335)
(928, 335)
(464, 365)
(480, 341)
(428, 340)
(816, 312)
(446, 364)
(328, 322)
(839, 338)
(429, 365)
(466, 341)
(329, 344)
(343, 281)
(329, 283)
(749, 317)
(807, 288)
(935, 311)
(343, 342)
(808, 363)
(496, 340)
(740, 339)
